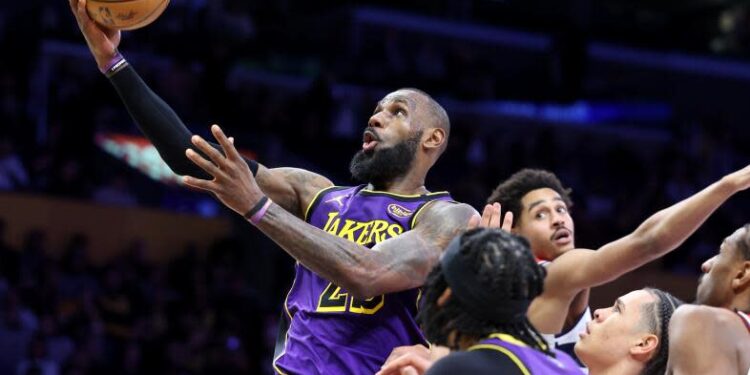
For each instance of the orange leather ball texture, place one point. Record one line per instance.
(125, 14)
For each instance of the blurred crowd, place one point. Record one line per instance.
(202, 314)
(193, 315)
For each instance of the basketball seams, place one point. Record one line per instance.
(150, 11)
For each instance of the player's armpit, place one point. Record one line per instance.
(291, 188)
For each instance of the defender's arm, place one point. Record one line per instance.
(658, 235)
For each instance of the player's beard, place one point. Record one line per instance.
(386, 164)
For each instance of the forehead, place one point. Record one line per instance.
(731, 242)
(738, 235)
(540, 196)
(637, 297)
(408, 97)
(633, 301)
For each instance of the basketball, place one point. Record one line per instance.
(125, 14)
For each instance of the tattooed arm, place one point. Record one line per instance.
(396, 264)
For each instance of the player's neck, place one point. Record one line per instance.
(410, 184)
(741, 303)
(624, 367)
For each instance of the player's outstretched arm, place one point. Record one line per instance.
(662, 232)
(102, 42)
(396, 264)
(703, 340)
(290, 188)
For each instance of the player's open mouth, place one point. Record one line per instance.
(562, 236)
(369, 141)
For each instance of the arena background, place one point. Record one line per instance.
(107, 266)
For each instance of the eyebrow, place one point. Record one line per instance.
(396, 99)
(542, 201)
(620, 305)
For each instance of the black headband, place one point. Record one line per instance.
(475, 297)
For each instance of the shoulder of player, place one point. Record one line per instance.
(445, 211)
(699, 315)
(480, 361)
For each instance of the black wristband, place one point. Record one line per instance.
(253, 166)
(257, 206)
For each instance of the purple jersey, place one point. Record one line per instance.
(529, 360)
(328, 331)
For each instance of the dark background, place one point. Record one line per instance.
(633, 104)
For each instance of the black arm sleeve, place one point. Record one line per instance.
(475, 362)
(158, 122)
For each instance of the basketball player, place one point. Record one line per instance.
(475, 303)
(361, 251)
(715, 338)
(631, 337)
(539, 205)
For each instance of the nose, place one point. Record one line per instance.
(375, 121)
(558, 220)
(706, 266)
(600, 314)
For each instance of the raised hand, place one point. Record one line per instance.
(491, 218)
(233, 183)
(102, 42)
(740, 179)
(407, 360)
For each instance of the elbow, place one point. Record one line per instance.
(362, 284)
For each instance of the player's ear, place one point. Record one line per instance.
(434, 138)
(741, 280)
(445, 297)
(644, 347)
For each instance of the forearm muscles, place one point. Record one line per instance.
(396, 264)
(667, 229)
(335, 259)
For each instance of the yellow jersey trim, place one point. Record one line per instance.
(508, 338)
(507, 352)
(315, 199)
(421, 208)
(405, 195)
(286, 334)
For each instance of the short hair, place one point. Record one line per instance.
(510, 192)
(655, 316)
(744, 243)
(504, 265)
(436, 111)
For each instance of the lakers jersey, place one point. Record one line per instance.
(528, 359)
(327, 330)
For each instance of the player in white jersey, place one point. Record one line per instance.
(715, 338)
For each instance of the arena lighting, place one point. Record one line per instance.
(140, 154)
(580, 113)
